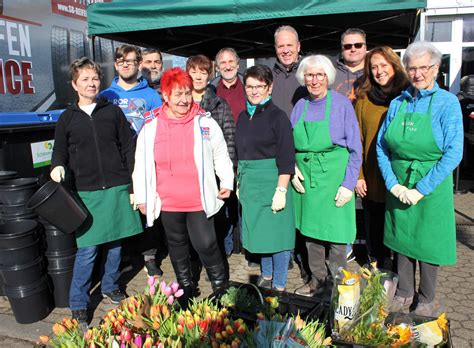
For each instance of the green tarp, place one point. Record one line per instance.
(188, 27)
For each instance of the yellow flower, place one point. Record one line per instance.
(442, 322)
(401, 334)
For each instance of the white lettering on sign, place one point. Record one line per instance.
(17, 37)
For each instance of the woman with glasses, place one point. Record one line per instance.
(386, 78)
(328, 159)
(266, 161)
(418, 147)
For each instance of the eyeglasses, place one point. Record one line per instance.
(319, 76)
(259, 88)
(121, 62)
(423, 69)
(357, 45)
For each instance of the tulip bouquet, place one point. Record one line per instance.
(154, 318)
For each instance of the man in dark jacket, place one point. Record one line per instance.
(350, 67)
(286, 89)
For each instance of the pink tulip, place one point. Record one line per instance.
(162, 286)
(170, 300)
(151, 281)
(167, 291)
(122, 345)
(174, 287)
(160, 345)
(138, 341)
(179, 293)
(152, 290)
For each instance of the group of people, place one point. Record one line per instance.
(290, 144)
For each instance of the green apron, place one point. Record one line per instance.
(425, 231)
(264, 232)
(111, 217)
(323, 166)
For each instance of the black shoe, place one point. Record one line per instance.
(290, 265)
(217, 276)
(184, 276)
(81, 316)
(114, 296)
(312, 288)
(152, 269)
(264, 283)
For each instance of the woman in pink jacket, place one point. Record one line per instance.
(179, 152)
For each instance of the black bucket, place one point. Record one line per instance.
(21, 275)
(19, 217)
(60, 269)
(30, 303)
(15, 234)
(17, 191)
(57, 240)
(2, 292)
(61, 280)
(55, 204)
(7, 174)
(19, 255)
(8, 209)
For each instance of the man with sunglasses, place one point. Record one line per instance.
(350, 67)
(129, 92)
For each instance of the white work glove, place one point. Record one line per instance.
(279, 199)
(133, 203)
(410, 197)
(57, 174)
(343, 196)
(397, 190)
(237, 191)
(296, 181)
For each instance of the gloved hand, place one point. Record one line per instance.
(57, 174)
(397, 190)
(279, 199)
(132, 202)
(411, 197)
(237, 190)
(296, 181)
(343, 196)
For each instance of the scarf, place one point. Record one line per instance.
(251, 108)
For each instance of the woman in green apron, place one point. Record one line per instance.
(418, 147)
(93, 141)
(328, 159)
(266, 160)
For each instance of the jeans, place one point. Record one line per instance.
(83, 266)
(275, 266)
(225, 221)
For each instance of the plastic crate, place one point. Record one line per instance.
(291, 304)
(398, 318)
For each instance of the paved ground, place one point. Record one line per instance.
(455, 289)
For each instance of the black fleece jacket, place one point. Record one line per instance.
(98, 150)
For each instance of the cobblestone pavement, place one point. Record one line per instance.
(455, 291)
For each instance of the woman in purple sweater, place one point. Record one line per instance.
(328, 160)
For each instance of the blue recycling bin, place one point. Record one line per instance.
(26, 142)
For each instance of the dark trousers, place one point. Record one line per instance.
(182, 227)
(317, 257)
(153, 240)
(406, 283)
(374, 219)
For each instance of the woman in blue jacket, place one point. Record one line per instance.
(419, 145)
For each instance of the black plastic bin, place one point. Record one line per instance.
(58, 206)
(60, 268)
(17, 191)
(14, 234)
(20, 275)
(20, 255)
(30, 303)
(292, 304)
(57, 240)
(18, 131)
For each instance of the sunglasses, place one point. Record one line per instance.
(357, 45)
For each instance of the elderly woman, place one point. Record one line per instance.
(418, 147)
(179, 152)
(93, 140)
(328, 159)
(386, 78)
(266, 161)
